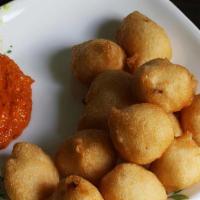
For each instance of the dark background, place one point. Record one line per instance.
(191, 8)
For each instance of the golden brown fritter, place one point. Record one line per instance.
(131, 182)
(179, 167)
(89, 153)
(76, 188)
(176, 125)
(141, 133)
(190, 119)
(95, 56)
(110, 88)
(29, 173)
(168, 85)
(143, 40)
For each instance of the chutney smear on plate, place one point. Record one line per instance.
(15, 100)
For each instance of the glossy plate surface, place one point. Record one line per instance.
(38, 35)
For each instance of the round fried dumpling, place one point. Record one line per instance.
(76, 188)
(110, 88)
(190, 119)
(141, 133)
(95, 56)
(89, 153)
(29, 173)
(143, 40)
(176, 125)
(131, 182)
(179, 167)
(168, 85)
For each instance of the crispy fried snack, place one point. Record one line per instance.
(111, 88)
(76, 188)
(29, 173)
(190, 119)
(179, 167)
(168, 85)
(131, 182)
(176, 125)
(141, 133)
(89, 153)
(143, 40)
(95, 56)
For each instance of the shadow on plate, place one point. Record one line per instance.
(69, 99)
(108, 29)
(3, 158)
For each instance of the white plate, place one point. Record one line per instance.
(42, 33)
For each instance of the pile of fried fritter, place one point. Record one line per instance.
(138, 135)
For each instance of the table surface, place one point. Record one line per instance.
(191, 8)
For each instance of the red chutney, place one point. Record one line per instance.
(15, 100)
